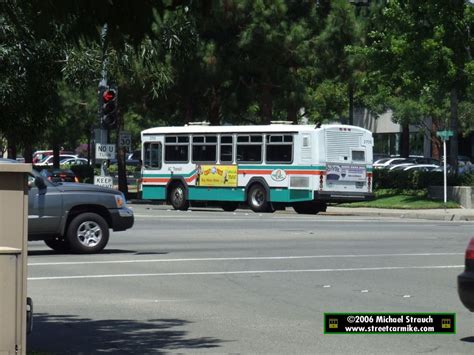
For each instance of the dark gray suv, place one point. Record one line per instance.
(74, 217)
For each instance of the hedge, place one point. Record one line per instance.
(417, 180)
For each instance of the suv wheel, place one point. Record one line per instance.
(87, 233)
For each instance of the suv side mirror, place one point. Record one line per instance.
(39, 182)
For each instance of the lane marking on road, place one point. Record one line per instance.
(211, 273)
(356, 219)
(237, 258)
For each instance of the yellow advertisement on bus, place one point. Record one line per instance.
(217, 175)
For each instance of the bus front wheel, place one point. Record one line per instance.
(258, 199)
(178, 198)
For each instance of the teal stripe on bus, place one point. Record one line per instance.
(153, 192)
(216, 194)
(227, 194)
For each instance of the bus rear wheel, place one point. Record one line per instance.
(309, 207)
(258, 200)
(178, 197)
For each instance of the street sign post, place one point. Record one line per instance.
(105, 181)
(105, 151)
(125, 140)
(444, 135)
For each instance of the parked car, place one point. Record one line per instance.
(41, 154)
(378, 156)
(74, 217)
(59, 175)
(385, 162)
(8, 161)
(466, 279)
(388, 163)
(73, 161)
(48, 160)
(422, 167)
(128, 162)
(400, 166)
(136, 155)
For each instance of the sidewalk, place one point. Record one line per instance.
(450, 214)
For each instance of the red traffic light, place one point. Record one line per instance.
(108, 95)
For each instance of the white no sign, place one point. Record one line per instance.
(105, 151)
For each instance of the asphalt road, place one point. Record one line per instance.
(212, 281)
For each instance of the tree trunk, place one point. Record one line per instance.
(188, 110)
(56, 149)
(266, 103)
(121, 163)
(11, 148)
(292, 114)
(28, 153)
(454, 144)
(89, 146)
(405, 141)
(435, 142)
(351, 102)
(215, 107)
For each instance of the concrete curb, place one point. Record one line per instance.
(465, 215)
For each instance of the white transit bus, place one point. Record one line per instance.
(268, 166)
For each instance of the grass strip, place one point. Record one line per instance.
(402, 199)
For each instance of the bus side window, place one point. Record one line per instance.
(152, 156)
(279, 149)
(176, 149)
(226, 149)
(249, 149)
(204, 149)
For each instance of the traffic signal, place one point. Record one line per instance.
(109, 108)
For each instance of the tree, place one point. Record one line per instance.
(132, 56)
(28, 75)
(418, 52)
(335, 62)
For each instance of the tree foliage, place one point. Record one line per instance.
(231, 61)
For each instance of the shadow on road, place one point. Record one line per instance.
(68, 334)
(468, 339)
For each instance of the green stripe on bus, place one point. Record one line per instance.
(227, 194)
(216, 194)
(290, 195)
(153, 192)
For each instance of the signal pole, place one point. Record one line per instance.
(106, 111)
